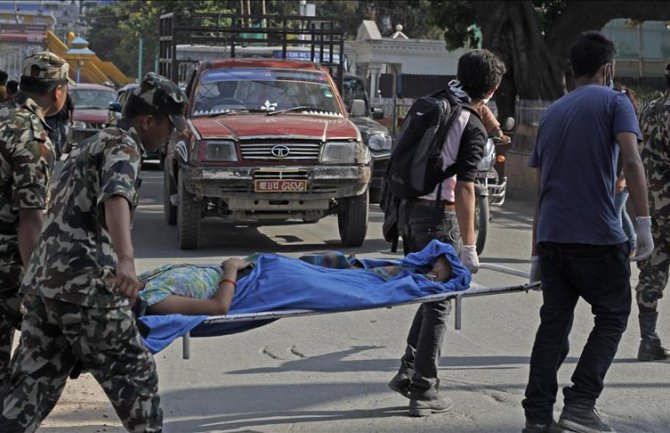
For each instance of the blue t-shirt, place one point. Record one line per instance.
(577, 155)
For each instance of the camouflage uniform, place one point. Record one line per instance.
(72, 313)
(26, 162)
(655, 153)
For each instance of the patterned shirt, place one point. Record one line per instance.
(74, 260)
(655, 153)
(26, 163)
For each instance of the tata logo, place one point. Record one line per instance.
(280, 151)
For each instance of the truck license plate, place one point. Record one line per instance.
(280, 185)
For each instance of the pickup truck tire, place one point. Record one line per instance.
(188, 218)
(352, 219)
(169, 210)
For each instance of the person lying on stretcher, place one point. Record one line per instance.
(210, 289)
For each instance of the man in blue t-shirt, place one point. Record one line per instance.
(579, 247)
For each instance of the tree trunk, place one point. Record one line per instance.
(511, 30)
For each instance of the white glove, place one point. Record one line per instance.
(645, 243)
(535, 272)
(469, 258)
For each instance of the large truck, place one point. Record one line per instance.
(268, 139)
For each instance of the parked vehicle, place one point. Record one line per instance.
(267, 140)
(490, 183)
(375, 135)
(91, 102)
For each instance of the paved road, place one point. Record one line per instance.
(328, 373)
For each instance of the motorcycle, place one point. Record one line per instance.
(490, 183)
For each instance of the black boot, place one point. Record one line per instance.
(402, 381)
(650, 345)
(423, 402)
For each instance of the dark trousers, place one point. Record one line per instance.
(54, 334)
(424, 341)
(10, 319)
(601, 276)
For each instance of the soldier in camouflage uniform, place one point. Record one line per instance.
(81, 280)
(655, 153)
(26, 162)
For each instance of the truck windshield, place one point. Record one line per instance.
(92, 98)
(235, 89)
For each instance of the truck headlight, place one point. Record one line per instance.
(345, 153)
(78, 124)
(222, 150)
(379, 141)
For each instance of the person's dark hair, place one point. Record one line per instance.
(590, 51)
(39, 86)
(137, 107)
(12, 86)
(3, 78)
(479, 71)
(667, 74)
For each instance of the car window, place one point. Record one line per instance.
(92, 98)
(225, 89)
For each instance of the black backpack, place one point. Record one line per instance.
(415, 165)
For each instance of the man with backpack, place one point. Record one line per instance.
(430, 195)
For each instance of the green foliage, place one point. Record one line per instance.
(455, 18)
(116, 29)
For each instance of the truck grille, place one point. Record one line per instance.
(278, 151)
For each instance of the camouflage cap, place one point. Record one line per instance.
(164, 95)
(47, 66)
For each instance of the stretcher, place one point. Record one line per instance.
(269, 316)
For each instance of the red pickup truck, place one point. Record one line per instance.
(268, 138)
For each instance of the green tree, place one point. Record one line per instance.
(115, 30)
(413, 15)
(534, 37)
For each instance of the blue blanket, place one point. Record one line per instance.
(279, 283)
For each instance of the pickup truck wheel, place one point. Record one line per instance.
(352, 219)
(169, 210)
(188, 218)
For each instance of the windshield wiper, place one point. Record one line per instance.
(297, 108)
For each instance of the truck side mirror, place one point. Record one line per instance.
(377, 113)
(114, 106)
(508, 124)
(358, 108)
